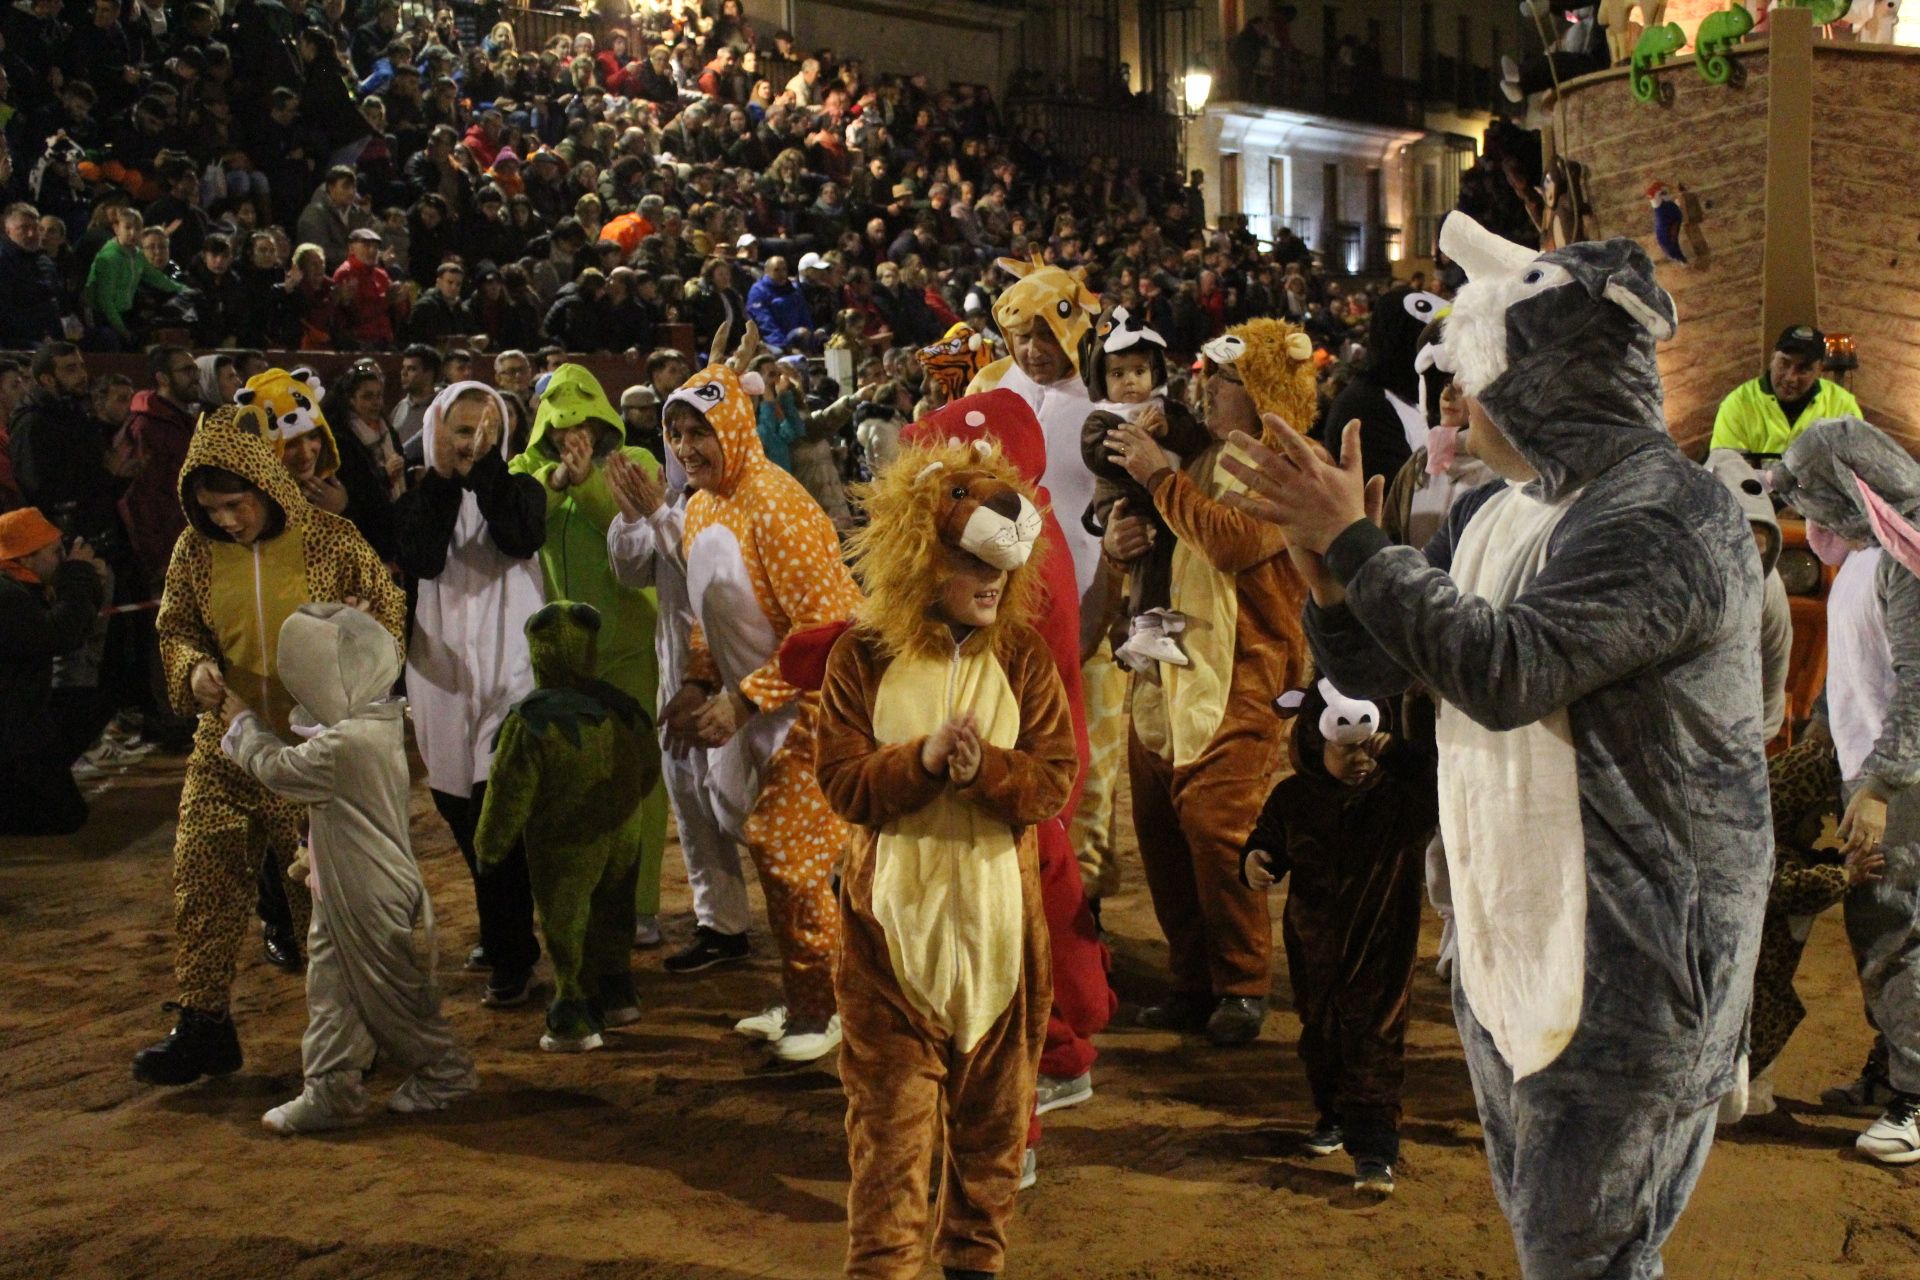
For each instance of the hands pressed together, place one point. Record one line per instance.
(637, 490)
(698, 718)
(953, 749)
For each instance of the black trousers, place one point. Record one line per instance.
(38, 796)
(503, 896)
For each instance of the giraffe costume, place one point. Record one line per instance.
(763, 560)
(224, 603)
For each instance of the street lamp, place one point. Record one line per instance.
(1196, 86)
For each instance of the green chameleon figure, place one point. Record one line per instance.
(1825, 12)
(570, 766)
(1718, 33)
(1656, 45)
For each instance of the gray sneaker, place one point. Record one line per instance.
(1868, 1094)
(1055, 1093)
(1372, 1176)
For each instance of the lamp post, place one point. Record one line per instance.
(1196, 86)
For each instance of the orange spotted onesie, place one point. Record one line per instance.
(763, 560)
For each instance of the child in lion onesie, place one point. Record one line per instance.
(945, 738)
(570, 768)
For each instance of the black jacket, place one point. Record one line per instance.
(368, 505)
(578, 322)
(514, 506)
(32, 634)
(30, 283)
(59, 461)
(434, 319)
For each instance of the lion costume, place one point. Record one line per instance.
(944, 981)
(1203, 750)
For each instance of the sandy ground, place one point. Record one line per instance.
(677, 1152)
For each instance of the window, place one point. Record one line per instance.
(1230, 183)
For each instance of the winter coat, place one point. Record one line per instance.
(778, 310)
(33, 632)
(151, 504)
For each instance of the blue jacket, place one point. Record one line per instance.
(780, 427)
(778, 310)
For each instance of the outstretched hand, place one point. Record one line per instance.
(1313, 499)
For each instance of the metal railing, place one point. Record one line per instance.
(1314, 85)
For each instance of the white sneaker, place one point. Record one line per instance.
(570, 1044)
(1760, 1100)
(769, 1024)
(109, 753)
(1029, 1169)
(417, 1094)
(646, 933)
(1054, 1093)
(808, 1046)
(1895, 1137)
(84, 770)
(303, 1115)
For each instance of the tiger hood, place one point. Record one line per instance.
(725, 400)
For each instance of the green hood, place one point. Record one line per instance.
(573, 398)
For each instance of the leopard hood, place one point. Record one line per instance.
(233, 438)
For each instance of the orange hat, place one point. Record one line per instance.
(22, 533)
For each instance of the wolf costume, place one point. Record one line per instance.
(367, 992)
(1606, 703)
(1850, 481)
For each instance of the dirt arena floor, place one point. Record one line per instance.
(677, 1153)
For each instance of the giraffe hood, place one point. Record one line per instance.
(725, 400)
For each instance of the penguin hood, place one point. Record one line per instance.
(336, 661)
(1400, 317)
(1559, 349)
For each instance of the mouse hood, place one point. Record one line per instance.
(336, 661)
(1848, 477)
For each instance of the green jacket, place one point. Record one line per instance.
(1751, 421)
(115, 276)
(574, 558)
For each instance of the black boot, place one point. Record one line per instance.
(282, 952)
(200, 1044)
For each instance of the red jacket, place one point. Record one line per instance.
(151, 504)
(483, 151)
(369, 318)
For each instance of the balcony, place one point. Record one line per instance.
(1133, 132)
(1318, 87)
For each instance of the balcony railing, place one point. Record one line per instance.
(1081, 130)
(1318, 87)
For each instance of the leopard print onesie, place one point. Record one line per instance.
(224, 603)
(1806, 790)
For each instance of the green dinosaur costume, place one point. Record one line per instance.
(570, 766)
(574, 563)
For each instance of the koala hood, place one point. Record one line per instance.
(291, 403)
(336, 661)
(233, 439)
(1823, 472)
(573, 398)
(725, 400)
(1558, 348)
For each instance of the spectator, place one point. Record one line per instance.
(161, 425)
(438, 315)
(717, 303)
(118, 272)
(50, 598)
(629, 319)
(357, 401)
(579, 318)
(311, 306)
(361, 288)
(61, 459)
(29, 282)
(780, 309)
(331, 217)
(419, 383)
